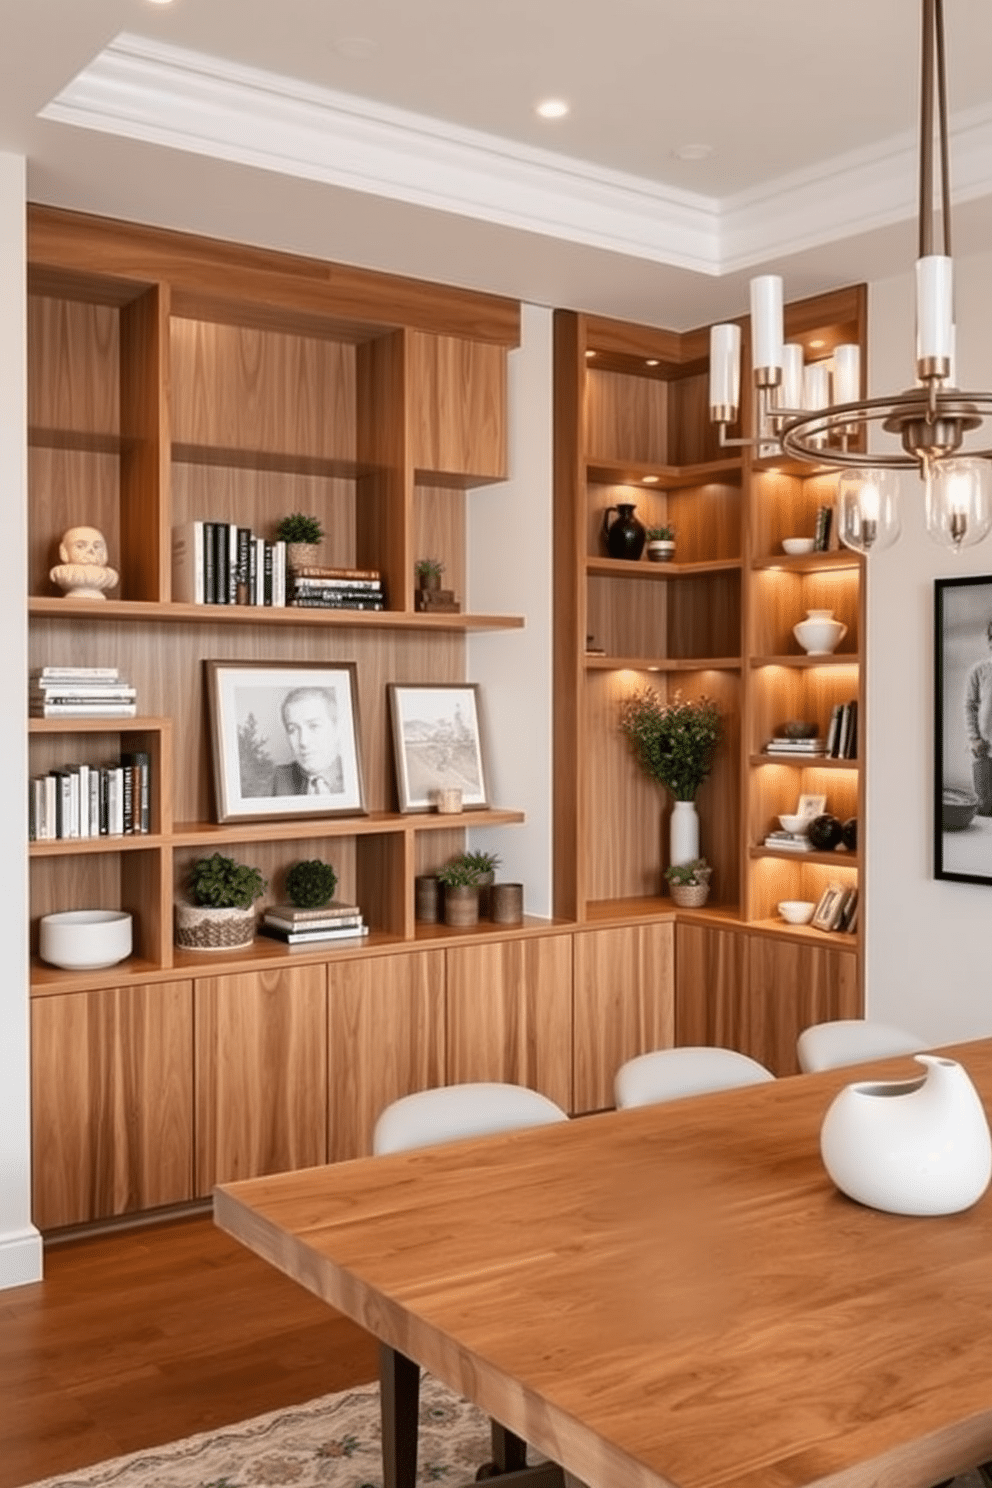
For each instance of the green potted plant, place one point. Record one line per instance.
(674, 743)
(302, 536)
(219, 914)
(689, 883)
(461, 892)
(485, 865)
(310, 884)
(429, 571)
(661, 544)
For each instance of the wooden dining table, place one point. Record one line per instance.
(670, 1297)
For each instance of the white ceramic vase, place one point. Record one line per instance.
(819, 634)
(910, 1146)
(683, 841)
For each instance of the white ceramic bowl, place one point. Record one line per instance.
(792, 823)
(85, 939)
(795, 546)
(796, 911)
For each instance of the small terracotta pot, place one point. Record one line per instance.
(461, 906)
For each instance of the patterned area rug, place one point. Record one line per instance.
(333, 1442)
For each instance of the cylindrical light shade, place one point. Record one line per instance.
(868, 509)
(725, 372)
(959, 502)
(766, 321)
(934, 309)
(847, 374)
(790, 393)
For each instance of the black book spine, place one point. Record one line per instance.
(241, 592)
(210, 563)
(252, 570)
(267, 575)
(220, 562)
(127, 773)
(104, 802)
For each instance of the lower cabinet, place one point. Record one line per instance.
(385, 1039)
(260, 1073)
(112, 1102)
(510, 1014)
(623, 1004)
(744, 990)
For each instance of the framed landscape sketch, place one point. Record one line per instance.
(437, 742)
(285, 739)
(962, 810)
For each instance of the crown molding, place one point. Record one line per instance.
(184, 100)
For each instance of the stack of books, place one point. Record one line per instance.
(789, 841)
(318, 588)
(220, 563)
(81, 800)
(293, 926)
(842, 734)
(796, 746)
(80, 692)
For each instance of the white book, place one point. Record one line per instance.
(259, 594)
(37, 818)
(50, 806)
(76, 674)
(187, 563)
(84, 800)
(279, 574)
(94, 709)
(94, 795)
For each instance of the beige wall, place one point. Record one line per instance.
(928, 945)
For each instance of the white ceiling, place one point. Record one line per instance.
(402, 134)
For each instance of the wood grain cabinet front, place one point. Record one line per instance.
(261, 1073)
(112, 1102)
(624, 1004)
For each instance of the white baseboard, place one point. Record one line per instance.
(20, 1257)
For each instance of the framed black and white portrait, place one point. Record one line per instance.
(963, 729)
(437, 742)
(286, 740)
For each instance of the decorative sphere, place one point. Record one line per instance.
(824, 832)
(849, 833)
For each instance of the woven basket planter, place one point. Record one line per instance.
(200, 928)
(302, 555)
(689, 896)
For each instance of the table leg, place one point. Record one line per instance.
(399, 1387)
(509, 1450)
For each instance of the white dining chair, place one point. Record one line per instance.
(671, 1074)
(427, 1118)
(825, 1046)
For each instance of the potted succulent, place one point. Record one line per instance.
(485, 865)
(429, 571)
(310, 884)
(661, 544)
(302, 536)
(220, 912)
(689, 883)
(461, 892)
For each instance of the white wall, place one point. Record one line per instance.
(20, 1244)
(928, 962)
(509, 530)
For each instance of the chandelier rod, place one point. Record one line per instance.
(933, 65)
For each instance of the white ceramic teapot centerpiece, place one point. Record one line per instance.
(819, 634)
(910, 1146)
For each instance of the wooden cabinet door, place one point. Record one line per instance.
(385, 1040)
(510, 1014)
(711, 986)
(458, 406)
(791, 985)
(261, 1073)
(624, 1004)
(112, 1101)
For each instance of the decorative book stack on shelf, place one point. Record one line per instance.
(220, 563)
(80, 692)
(317, 588)
(336, 921)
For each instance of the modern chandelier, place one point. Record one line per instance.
(793, 411)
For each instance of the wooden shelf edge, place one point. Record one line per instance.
(49, 607)
(809, 562)
(807, 934)
(801, 663)
(833, 859)
(75, 847)
(604, 470)
(643, 568)
(662, 664)
(94, 725)
(804, 761)
(374, 824)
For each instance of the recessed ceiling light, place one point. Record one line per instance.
(590, 354)
(650, 480)
(356, 47)
(159, 2)
(692, 152)
(651, 362)
(552, 108)
(815, 345)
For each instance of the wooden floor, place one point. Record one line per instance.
(142, 1337)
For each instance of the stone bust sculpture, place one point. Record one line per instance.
(83, 572)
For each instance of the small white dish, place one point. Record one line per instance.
(85, 939)
(796, 546)
(792, 823)
(796, 911)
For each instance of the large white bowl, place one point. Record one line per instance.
(796, 911)
(85, 939)
(792, 823)
(796, 546)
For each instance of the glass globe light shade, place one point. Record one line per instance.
(958, 502)
(868, 509)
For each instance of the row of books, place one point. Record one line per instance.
(337, 589)
(92, 800)
(80, 692)
(220, 563)
(837, 910)
(293, 926)
(842, 733)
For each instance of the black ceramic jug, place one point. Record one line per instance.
(625, 534)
